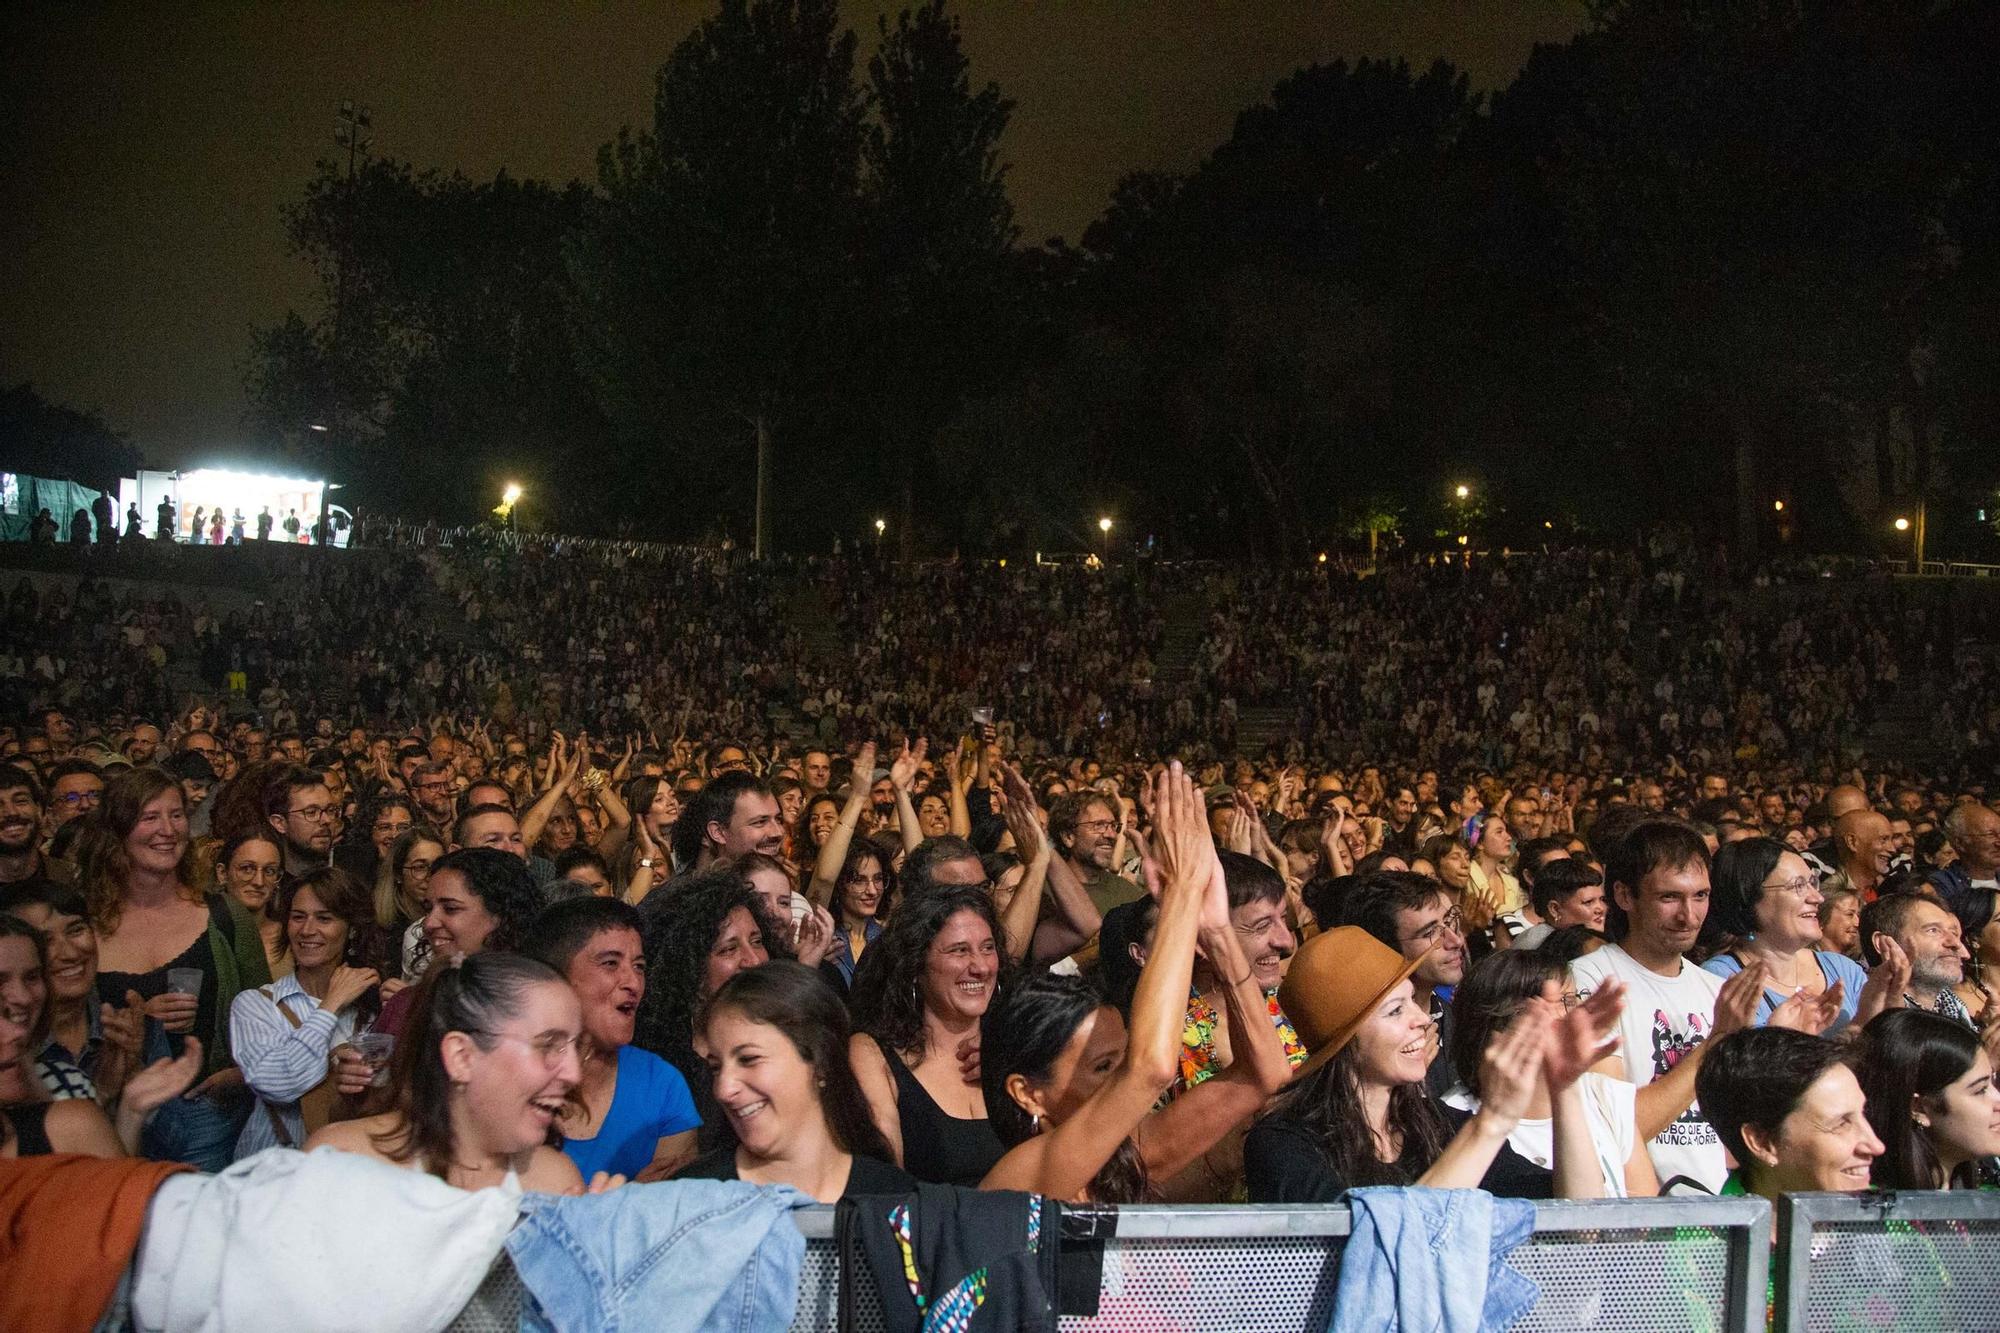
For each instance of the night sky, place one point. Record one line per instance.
(148, 148)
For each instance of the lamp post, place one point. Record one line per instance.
(508, 499)
(881, 526)
(1104, 526)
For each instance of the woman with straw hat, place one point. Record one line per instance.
(1357, 1112)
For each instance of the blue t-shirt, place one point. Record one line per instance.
(649, 1102)
(1833, 966)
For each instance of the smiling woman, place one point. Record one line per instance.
(1790, 1112)
(185, 954)
(482, 1072)
(918, 996)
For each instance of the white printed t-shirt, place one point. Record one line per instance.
(1665, 1018)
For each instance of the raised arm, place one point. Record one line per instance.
(833, 852)
(1024, 910)
(902, 772)
(1201, 1117)
(1063, 1161)
(960, 775)
(537, 815)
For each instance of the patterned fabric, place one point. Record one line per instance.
(64, 1080)
(1198, 1039)
(953, 1310)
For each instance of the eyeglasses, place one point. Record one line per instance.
(315, 814)
(551, 1046)
(437, 785)
(1096, 825)
(79, 797)
(394, 830)
(1801, 886)
(1453, 920)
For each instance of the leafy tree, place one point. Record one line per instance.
(713, 276)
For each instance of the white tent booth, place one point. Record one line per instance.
(234, 492)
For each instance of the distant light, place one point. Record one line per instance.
(881, 526)
(1322, 557)
(316, 426)
(1463, 491)
(1003, 562)
(511, 495)
(1104, 525)
(1461, 539)
(1547, 524)
(1778, 506)
(1902, 525)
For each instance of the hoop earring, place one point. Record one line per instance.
(1035, 1124)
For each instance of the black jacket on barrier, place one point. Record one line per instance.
(973, 1259)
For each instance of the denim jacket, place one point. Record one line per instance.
(695, 1256)
(1432, 1261)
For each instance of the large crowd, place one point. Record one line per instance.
(585, 869)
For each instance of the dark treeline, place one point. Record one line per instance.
(1704, 257)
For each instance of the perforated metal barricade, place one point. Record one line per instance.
(1928, 1260)
(1616, 1266)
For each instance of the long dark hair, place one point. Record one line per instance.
(861, 849)
(887, 995)
(682, 920)
(1025, 1031)
(1906, 1056)
(1327, 1105)
(476, 996)
(797, 1001)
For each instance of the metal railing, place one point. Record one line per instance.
(1944, 569)
(1927, 1261)
(1617, 1265)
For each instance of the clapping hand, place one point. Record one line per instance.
(1580, 1037)
(1810, 1014)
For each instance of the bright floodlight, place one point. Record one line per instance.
(1902, 525)
(512, 494)
(1463, 491)
(1777, 506)
(881, 526)
(1104, 525)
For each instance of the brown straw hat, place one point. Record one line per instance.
(1335, 981)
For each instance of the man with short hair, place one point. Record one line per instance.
(491, 826)
(432, 792)
(1929, 937)
(1970, 885)
(1523, 814)
(1658, 873)
(21, 813)
(143, 743)
(301, 811)
(75, 788)
(730, 815)
(1414, 915)
(945, 862)
(1083, 833)
(817, 771)
(1861, 850)
(727, 757)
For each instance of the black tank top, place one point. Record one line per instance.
(31, 1133)
(941, 1148)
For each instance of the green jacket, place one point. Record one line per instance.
(238, 950)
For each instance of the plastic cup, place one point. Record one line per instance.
(375, 1049)
(184, 980)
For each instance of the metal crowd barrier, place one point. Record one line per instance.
(1617, 1266)
(1927, 1261)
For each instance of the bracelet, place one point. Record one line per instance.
(1240, 980)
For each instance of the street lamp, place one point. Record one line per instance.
(1902, 525)
(1463, 491)
(510, 497)
(1777, 506)
(881, 526)
(1104, 526)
